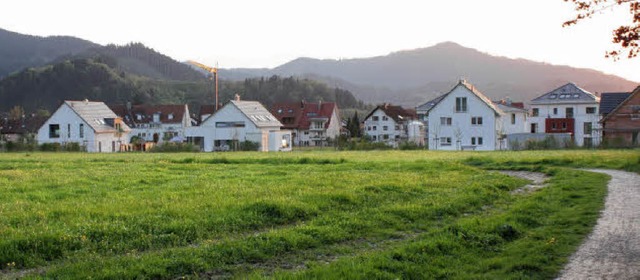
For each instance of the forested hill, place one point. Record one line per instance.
(19, 51)
(136, 58)
(100, 79)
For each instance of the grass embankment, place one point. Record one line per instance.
(300, 215)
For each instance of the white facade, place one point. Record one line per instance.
(381, 127)
(163, 131)
(571, 105)
(231, 125)
(319, 131)
(85, 123)
(464, 119)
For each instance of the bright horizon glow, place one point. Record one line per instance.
(266, 34)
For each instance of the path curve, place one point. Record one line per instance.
(612, 250)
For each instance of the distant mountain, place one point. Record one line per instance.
(414, 76)
(18, 51)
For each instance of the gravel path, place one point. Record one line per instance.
(612, 251)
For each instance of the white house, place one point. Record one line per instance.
(155, 123)
(90, 124)
(312, 124)
(240, 121)
(390, 124)
(567, 110)
(464, 118)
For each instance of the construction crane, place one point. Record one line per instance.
(214, 72)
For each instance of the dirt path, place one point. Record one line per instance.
(612, 251)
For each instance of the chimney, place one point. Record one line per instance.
(302, 104)
(386, 105)
(128, 106)
(319, 105)
(237, 97)
(86, 101)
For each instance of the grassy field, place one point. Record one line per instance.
(363, 215)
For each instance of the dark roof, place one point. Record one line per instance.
(617, 107)
(568, 93)
(397, 113)
(207, 109)
(299, 115)
(611, 100)
(144, 113)
(22, 126)
(427, 106)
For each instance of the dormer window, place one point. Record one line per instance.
(139, 117)
(170, 116)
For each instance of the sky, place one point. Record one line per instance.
(265, 34)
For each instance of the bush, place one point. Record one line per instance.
(248, 146)
(169, 147)
(410, 146)
(51, 147)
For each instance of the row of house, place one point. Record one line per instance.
(465, 118)
(102, 128)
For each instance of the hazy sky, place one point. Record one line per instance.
(260, 33)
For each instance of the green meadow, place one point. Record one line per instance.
(300, 215)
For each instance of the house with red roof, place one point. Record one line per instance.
(312, 124)
(393, 124)
(155, 123)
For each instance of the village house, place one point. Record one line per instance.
(155, 123)
(240, 121)
(392, 125)
(568, 110)
(464, 118)
(14, 130)
(312, 124)
(92, 125)
(621, 118)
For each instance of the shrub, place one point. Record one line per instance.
(169, 147)
(248, 146)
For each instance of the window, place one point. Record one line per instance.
(81, 130)
(374, 127)
(535, 112)
(170, 116)
(564, 125)
(54, 131)
(461, 104)
(68, 130)
(588, 128)
(476, 141)
(229, 124)
(513, 118)
(375, 118)
(476, 120)
(385, 137)
(374, 138)
(534, 127)
(397, 127)
(445, 121)
(553, 125)
(473, 140)
(384, 118)
(555, 111)
(480, 141)
(445, 141)
(385, 128)
(569, 112)
(591, 110)
(368, 128)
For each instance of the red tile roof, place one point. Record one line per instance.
(397, 113)
(299, 115)
(146, 113)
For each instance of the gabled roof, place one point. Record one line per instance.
(510, 107)
(169, 114)
(257, 113)
(611, 100)
(426, 107)
(633, 93)
(568, 93)
(475, 92)
(302, 113)
(397, 113)
(95, 114)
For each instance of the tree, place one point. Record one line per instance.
(628, 36)
(16, 113)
